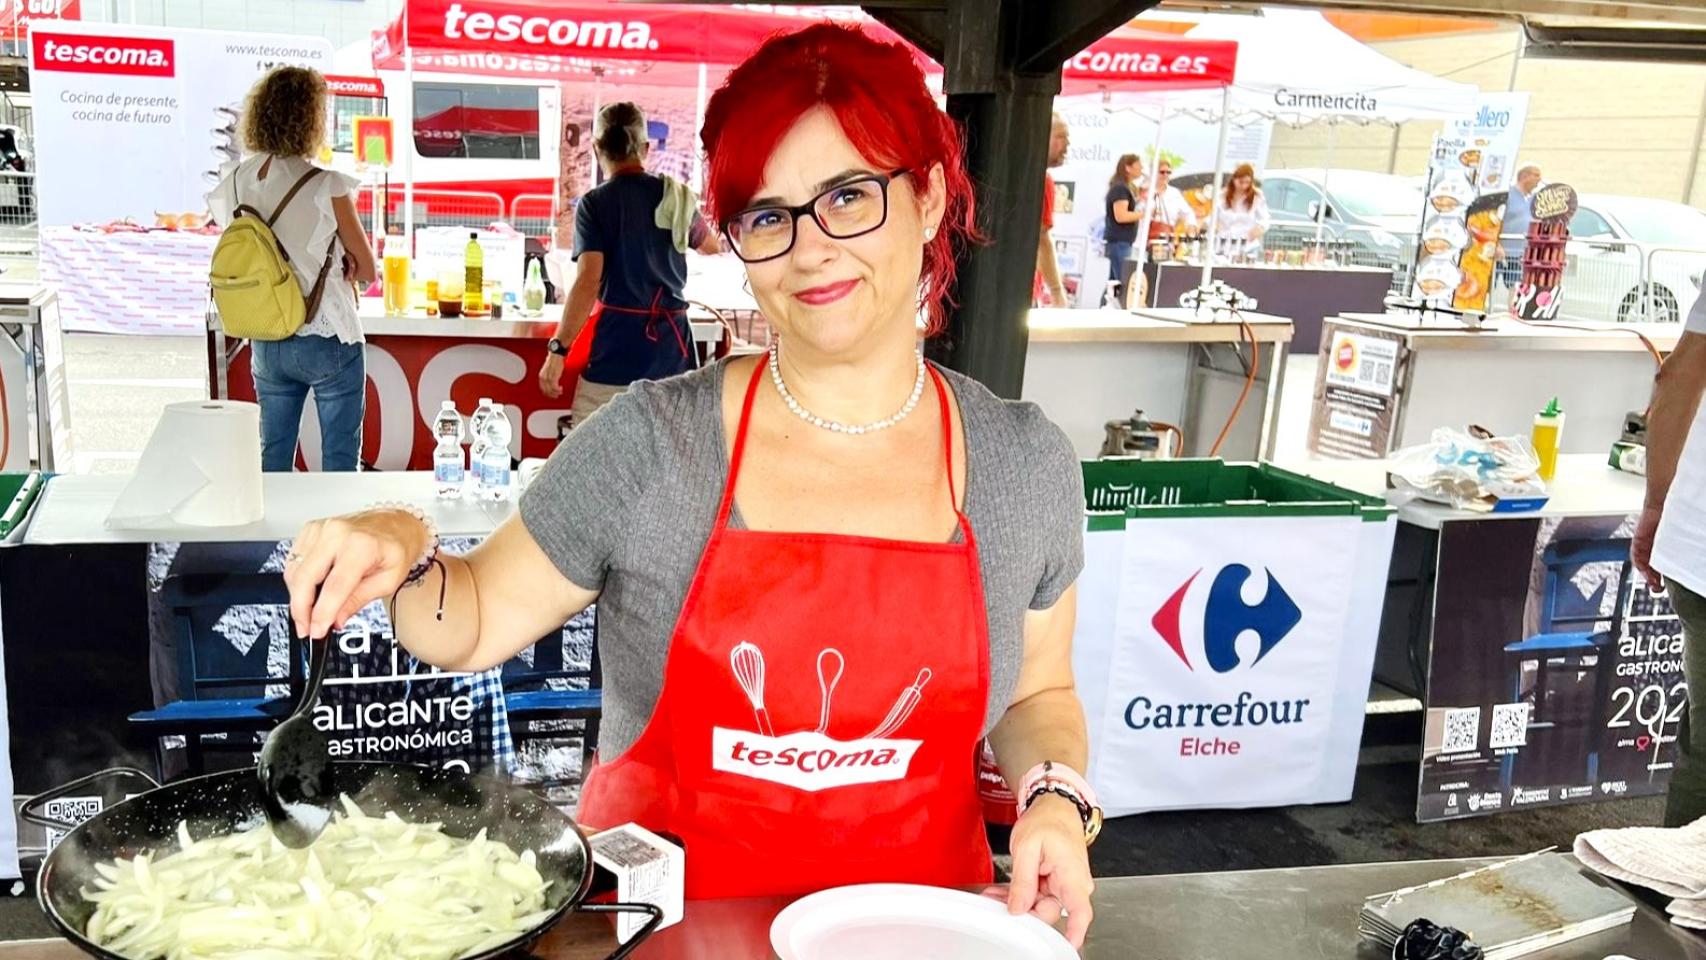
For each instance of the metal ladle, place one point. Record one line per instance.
(296, 765)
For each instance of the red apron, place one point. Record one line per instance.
(657, 318)
(820, 714)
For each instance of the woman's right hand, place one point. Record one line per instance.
(340, 565)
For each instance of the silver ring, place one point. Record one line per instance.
(292, 557)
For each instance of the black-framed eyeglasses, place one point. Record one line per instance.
(849, 209)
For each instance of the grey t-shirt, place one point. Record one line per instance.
(626, 504)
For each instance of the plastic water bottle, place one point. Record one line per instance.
(477, 441)
(494, 460)
(447, 462)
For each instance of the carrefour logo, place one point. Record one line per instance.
(1226, 617)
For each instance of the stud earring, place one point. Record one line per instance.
(929, 234)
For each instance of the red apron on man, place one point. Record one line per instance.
(821, 708)
(659, 323)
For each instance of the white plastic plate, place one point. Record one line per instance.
(892, 921)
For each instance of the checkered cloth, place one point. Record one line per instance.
(492, 748)
(487, 691)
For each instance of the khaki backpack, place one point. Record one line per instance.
(253, 284)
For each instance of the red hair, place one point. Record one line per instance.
(877, 93)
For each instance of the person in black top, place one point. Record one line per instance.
(631, 237)
(1120, 228)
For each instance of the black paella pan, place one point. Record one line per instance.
(230, 802)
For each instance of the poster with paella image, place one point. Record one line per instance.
(1469, 179)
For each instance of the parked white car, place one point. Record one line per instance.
(1633, 259)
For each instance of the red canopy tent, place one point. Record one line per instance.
(586, 38)
(667, 44)
(1132, 59)
(609, 39)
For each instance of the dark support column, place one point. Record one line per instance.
(1007, 146)
(1002, 60)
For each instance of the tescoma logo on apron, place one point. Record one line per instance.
(812, 760)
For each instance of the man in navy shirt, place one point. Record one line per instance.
(630, 271)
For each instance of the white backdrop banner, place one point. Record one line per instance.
(132, 123)
(1227, 679)
(135, 121)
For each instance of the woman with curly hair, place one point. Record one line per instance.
(284, 126)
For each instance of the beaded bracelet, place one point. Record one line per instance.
(1067, 783)
(1049, 770)
(419, 568)
(426, 561)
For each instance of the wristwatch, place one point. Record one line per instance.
(555, 347)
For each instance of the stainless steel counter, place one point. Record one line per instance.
(1308, 913)
(29, 317)
(1294, 914)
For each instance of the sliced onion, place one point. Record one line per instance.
(369, 888)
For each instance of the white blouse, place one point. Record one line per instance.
(1240, 223)
(307, 226)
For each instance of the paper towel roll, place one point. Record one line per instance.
(201, 468)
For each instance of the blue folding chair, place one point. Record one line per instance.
(222, 690)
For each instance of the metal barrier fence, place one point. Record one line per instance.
(534, 214)
(1605, 281)
(1620, 281)
(436, 208)
(19, 235)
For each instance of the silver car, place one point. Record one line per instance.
(1379, 214)
(1633, 258)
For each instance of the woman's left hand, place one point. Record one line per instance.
(1051, 867)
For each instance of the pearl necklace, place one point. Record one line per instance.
(831, 425)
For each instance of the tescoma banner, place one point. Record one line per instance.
(134, 122)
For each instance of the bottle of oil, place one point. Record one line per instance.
(473, 275)
(1548, 438)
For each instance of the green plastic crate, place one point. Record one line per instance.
(1215, 488)
(17, 492)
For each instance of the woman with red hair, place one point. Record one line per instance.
(824, 574)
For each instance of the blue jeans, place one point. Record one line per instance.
(1118, 254)
(284, 371)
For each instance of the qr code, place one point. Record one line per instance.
(1462, 730)
(1376, 372)
(1510, 725)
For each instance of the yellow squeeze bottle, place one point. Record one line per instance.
(1548, 437)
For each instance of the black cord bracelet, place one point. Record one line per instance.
(414, 579)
